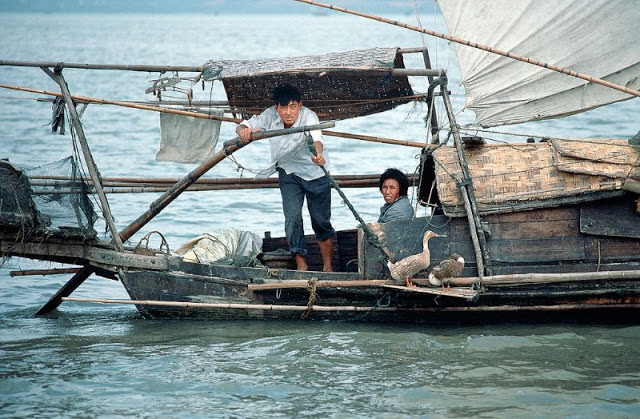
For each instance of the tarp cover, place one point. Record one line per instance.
(232, 247)
(336, 86)
(599, 38)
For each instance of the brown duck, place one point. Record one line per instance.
(403, 270)
(447, 269)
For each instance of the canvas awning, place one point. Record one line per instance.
(336, 86)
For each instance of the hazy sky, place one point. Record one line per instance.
(386, 7)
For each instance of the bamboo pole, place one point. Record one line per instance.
(53, 271)
(85, 66)
(376, 139)
(461, 41)
(532, 278)
(187, 68)
(489, 281)
(161, 109)
(268, 307)
(301, 283)
(124, 104)
(319, 308)
(467, 193)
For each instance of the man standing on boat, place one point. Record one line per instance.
(299, 172)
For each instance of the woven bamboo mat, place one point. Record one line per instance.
(513, 177)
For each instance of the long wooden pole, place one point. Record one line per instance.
(206, 116)
(461, 41)
(467, 193)
(275, 307)
(124, 104)
(489, 281)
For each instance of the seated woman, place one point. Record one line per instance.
(393, 186)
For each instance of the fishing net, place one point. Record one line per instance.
(52, 197)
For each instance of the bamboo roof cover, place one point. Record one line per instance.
(336, 86)
(516, 177)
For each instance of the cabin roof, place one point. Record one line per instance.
(336, 86)
(515, 177)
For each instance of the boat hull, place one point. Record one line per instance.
(225, 293)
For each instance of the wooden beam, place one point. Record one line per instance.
(66, 290)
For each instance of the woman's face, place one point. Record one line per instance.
(390, 190)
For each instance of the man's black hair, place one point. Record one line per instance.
(285, 93)
(396, 174)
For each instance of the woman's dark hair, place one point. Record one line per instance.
(396, 174)
(285, 93)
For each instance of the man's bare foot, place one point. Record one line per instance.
(301, 263)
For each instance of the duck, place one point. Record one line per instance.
(449, 268)
(403, 270)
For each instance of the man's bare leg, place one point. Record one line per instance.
(301, 262)
(326, 250)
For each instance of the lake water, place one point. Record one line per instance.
(88, 360)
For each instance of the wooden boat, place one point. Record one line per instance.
(549, 230)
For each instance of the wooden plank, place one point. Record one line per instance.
(537, 250)
(107, 259)
(612, 249)
(535, 229)
(546, 214)
(616, 218)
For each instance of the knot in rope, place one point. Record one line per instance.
(311, 287)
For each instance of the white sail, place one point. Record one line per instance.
(600, 38)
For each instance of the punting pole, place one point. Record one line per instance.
(461, 41)
(167, 197)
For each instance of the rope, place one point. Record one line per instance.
(313, 285)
